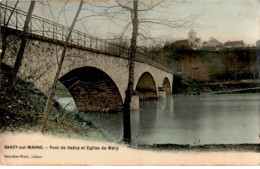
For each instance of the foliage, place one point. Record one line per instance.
(170, 50)
(239, 60)
(184, 85)
(228, 64)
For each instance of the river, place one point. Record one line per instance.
(186, 119)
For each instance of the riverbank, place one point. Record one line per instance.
(233, 87)
(187, 86)
(22, 109)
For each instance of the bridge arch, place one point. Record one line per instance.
(40, 65)
(167, 86)
(146, 87)
(92, 89)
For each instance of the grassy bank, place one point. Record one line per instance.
(22, 109)
(187, 86)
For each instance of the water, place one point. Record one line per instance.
(203, 119)
(67, 102)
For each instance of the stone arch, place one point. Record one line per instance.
(167, 86)
(92, 89)
(146, 87)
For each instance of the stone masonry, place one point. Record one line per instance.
(108, 73)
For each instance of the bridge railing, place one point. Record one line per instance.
(15, 18)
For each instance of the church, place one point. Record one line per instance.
(192, 41)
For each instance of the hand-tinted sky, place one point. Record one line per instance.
(222, 19)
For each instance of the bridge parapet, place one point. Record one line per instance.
(53, 30)
(44, 29)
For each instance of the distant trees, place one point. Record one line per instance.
(170, 50)
(177, 50)
(226, 64)
(240, 62)
(118, 45)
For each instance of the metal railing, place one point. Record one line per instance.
(50, 29)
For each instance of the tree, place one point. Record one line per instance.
(4, 44)
(137, 10)
(130, 87)
(170, 50)
(240, 62)
(139, 26)
(20, 53)
(52, 90)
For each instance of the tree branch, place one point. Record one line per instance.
(151, 7)
(123, 6)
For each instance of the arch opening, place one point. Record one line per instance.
(146, 87)
(167, 86)
(92, 90)
(64, 97)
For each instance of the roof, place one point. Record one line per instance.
(181, 42)
(214, 40)
(197, 39)
(234, 43)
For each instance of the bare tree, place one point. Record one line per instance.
(139, 25)
(130, 87)
(20, 53)
(52, 90)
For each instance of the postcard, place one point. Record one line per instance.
(130, 83)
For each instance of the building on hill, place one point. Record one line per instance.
(181, 44)
(192, 41)
(212, 44)
(234, 44)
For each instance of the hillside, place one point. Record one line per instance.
(21, 111)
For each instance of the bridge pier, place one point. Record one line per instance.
(135, 102)
(161, 93)
(167, 86)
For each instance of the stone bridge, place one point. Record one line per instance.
(96, 79)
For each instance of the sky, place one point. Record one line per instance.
(221, 19)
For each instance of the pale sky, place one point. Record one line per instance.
(222, 19)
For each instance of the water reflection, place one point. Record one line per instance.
(173, 120)
(216, 119)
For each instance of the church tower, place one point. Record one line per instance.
(191, 37)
